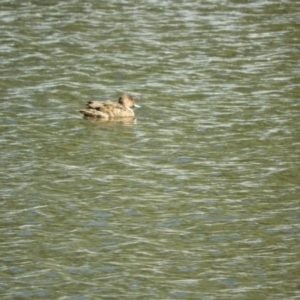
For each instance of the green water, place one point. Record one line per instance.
(199, 199)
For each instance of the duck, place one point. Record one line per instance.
(106, 110)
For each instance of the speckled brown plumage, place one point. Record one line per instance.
(108, 109)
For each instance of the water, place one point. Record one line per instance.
(197, 200)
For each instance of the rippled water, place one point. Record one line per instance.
(197, 200)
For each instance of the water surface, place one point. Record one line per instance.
(197, 200)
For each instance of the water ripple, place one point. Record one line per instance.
(197, 198)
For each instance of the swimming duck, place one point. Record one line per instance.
(108, 110)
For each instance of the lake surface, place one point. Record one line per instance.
(199, 199)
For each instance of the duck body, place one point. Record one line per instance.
(110, 110)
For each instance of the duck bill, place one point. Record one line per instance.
(136, 106)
